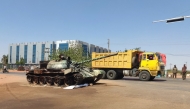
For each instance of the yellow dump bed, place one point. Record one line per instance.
(121, 60)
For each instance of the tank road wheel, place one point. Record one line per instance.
(36, 80)
(69, 80)
(49, 81)
(144, 76)
(78, 78)
(42, 80)
(111, 74)
(58, 81)
(29, 79)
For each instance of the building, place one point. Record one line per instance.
(33, 52)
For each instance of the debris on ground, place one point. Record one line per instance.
(76, 86)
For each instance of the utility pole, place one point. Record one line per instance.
(108, 45)
(170, 67)
(37, 57)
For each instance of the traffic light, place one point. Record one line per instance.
(175, 19)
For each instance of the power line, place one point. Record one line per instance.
(144, 44)
(183, 12)
(181, 55)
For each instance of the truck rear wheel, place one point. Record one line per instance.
(144, 76)
(111, 74)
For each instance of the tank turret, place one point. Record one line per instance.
(64, 71)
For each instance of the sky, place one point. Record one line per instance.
(127, 23)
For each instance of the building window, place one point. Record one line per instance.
(43, 53)
(94, 49)
(10, 54)
(25, 53)
(85, 49)
(52, 48)
(63, 46)
(17, 53)
(34, 54)
(90, 49)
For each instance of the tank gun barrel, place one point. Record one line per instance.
(97, 58)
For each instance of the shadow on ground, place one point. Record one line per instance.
(137, 79)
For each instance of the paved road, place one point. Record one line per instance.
(128, 93)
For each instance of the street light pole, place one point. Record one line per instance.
(108, 45)
(176, 19)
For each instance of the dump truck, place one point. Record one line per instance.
(128, 64)
(162, 61)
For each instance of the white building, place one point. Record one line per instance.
(33, 52)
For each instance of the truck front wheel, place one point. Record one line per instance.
(111, 74)
(144, 76)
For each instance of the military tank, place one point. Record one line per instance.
(64, 72)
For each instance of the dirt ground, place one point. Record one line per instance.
(7, 78)
(128, 93)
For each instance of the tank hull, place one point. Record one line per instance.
(59, 78)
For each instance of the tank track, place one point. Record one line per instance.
(57, 79)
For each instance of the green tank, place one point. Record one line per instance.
(64, 72)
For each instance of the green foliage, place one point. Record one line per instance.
(21, 61)
(17, 62)
(138, 48)
(4, 59)
(76, 54)
(125, 50)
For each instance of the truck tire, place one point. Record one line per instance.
(111, 74)
(104, 76)
(144, 76)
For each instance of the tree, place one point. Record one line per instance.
(4, 59)
(138, 48)
(75, 52)
(21, 61)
